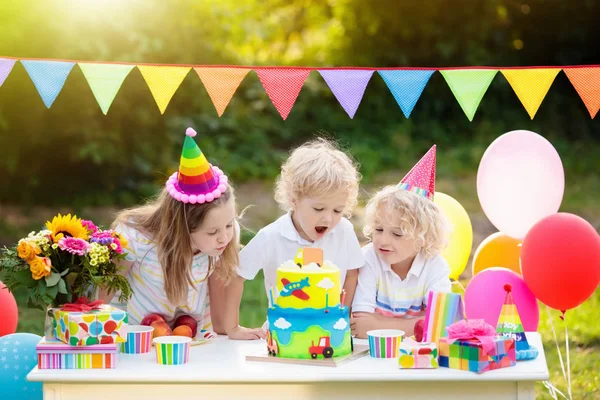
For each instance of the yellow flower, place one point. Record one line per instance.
(40, 267)
(122, 240)
(66, 225)
(28, 250)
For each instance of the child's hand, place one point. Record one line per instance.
(241, 333)
(361, 323)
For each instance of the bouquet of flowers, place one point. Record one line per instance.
(70, 259)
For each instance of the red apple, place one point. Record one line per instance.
(419, 325)
(150, 318)
(188, 321)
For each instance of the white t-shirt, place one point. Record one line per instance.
(381, 290)
(147, 282)
(279, 241)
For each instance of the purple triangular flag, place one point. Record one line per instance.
(48, 77)
(5, 68)
(348, 86)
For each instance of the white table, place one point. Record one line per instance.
(218, 370)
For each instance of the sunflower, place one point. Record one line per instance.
(62, 226)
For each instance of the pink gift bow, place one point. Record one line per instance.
(473, 329)
(82, 304)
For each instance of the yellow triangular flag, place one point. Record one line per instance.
(163, 82)
(221, 83)
(531, 85)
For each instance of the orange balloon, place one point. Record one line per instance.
(498, 250)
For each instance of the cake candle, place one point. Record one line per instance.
(343, 298)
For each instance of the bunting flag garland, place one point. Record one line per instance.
(6, 66)
(406, 86)
(48, 77)
(105, 80)
(221, 84)
(283, 86)
(587, 83)
(163, 82)
(531, 85)
(469, 86)
(348, 86)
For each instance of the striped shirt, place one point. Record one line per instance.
(147, 282)
(381, 290)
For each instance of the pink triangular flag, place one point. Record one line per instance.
(421, 178)
(348, 86)
(283, 86)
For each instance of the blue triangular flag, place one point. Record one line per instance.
(406, 86)
(48, 77)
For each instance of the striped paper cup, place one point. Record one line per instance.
(172, 350)
(384, 343)
(139, 340)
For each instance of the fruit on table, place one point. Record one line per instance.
(150, 318)
(183, 330)
(188, 321)
(419, 326)
(161, 329)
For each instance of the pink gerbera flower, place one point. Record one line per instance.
(116, 246)
(73, 245)
(89, 225)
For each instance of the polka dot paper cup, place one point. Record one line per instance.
(172, 350)
(384, 343)
(139, 340)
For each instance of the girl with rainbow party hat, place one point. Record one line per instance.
(183, 245)
(403, 262)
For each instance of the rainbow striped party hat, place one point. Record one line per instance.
(197, 181)
(421, 178)
(509, 325)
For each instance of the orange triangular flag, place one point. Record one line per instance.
(163, 82)
(283, 86)
(587, 83)
(531, 85)
(221, 83)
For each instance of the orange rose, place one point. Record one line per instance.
(28, 250)
(40, 267)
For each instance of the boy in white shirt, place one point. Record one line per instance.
(318, 185)
(403, 262)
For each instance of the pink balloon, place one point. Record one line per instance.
(485, 296)
(520, 180)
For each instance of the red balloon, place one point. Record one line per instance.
(9, 313)
(560, 260)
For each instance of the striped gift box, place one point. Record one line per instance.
(172, 350)
(384, 343)
(54, 354)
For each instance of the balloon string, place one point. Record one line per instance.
(553, 390)
(457, 282)
(568, 360)
(562, 366)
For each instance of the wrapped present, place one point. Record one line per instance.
(415, 354)
(474, 346)
(86, 324)
(54, 354)
(443, 309)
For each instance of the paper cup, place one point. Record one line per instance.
(172, 350)
(384, 343)
(139, 340)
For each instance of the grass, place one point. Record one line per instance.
(584, 330)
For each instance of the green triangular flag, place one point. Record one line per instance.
(469, 86)
(105, 80)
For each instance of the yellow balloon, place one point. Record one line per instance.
(498, 250)
(461, 237)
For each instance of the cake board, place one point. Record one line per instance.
(263, 356)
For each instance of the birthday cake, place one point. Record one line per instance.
(307, 318)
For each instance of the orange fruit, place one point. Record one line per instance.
(183, 330)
